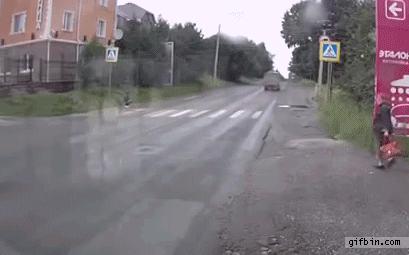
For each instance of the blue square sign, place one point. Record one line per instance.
(330, 51)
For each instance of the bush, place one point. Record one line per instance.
(91, 53)
(346, 119)
(206, 80)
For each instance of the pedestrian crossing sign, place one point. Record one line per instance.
(330, 51)
(111, 55)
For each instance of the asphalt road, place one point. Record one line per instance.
(145, 181)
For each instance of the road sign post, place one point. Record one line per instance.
(110, 79)
(392, 60)
(330, 52)
(318, 87)
(329, 82)
(111, 57)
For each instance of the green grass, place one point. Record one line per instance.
(308, 83)
(47, 104)
(80, 101)
(347, 120)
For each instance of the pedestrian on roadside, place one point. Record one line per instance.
(127, 100)
(383, 128)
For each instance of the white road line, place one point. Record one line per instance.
(237, 114)
(179, 114)
(78, 138)
(132, 111)
(190, 98)
(217, 114)
(198, 114)
(7, 123)
(160, 113)
(257, 115)
(284, 106)
(126, 113)
(153, 114)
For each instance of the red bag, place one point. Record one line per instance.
(391, 150)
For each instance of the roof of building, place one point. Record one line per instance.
(131, 11)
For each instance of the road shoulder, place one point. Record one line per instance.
(306, 192)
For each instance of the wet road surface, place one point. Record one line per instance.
(143, 181)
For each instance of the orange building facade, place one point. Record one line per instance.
(37, 34)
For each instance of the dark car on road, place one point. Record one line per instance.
(272, 86)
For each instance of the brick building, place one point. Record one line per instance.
(40, 36)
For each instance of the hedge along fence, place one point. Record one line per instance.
(127, 71)
(146, 70)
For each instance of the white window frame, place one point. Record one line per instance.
(71, 28)
(104, 33)
(13, 20)
(103, 3)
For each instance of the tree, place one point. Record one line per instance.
(350, 21)
(92, 52)
(194, 55)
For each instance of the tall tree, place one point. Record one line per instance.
(349, 21)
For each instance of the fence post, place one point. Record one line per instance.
(62, 67)
(31, 66)
(18, 71)
(5, 71)
(41, 70)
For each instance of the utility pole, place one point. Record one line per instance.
(170, 47)
(172, 63)
(216, 58)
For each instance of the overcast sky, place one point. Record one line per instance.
(259, 20)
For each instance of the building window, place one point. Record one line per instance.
(68, 21)
(18, 23)
(103, 3)
(101, 28)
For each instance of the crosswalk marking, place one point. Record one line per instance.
(217, 114)
(198, 114)
(256, 115)
(161, 113)
(237, 114)
(191, 113)
(181, 113)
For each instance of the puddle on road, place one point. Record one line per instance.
(299, 106)
(294, 107)
(146, 150)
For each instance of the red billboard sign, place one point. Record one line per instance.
(392, 60)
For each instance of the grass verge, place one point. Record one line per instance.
(80, 101)
(347, 120)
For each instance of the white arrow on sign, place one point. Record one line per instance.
(394, 9)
